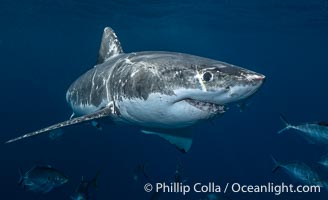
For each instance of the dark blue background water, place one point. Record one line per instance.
(45, 45)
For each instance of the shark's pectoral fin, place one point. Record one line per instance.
(105, 112)
(110, 45)
(181, 138)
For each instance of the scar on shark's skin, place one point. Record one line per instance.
(161, 93)
(201, 82)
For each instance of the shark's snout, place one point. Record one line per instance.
(238, 84)
(256, 77)
(244, 87)
(260, 78)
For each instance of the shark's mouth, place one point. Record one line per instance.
(206, 106)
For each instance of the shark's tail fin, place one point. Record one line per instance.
(21, 177)
(276, 164)
(287, 124)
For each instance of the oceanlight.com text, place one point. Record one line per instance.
(212, 187)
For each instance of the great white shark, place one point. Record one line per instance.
(161, 93)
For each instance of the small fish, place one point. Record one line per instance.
(300, 172)
(324, 161)
(42, 179)
(140, 171)
(313, 132)
(56, 134)
(179, 174)
(96, 125)
(84, 188)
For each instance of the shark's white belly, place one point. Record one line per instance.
(159, 111)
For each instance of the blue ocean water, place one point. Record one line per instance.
(45, 45)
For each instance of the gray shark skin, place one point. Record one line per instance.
(162, 93)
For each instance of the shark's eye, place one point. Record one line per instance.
(207, 76)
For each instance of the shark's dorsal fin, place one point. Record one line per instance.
(110, 45)
(105, 112)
